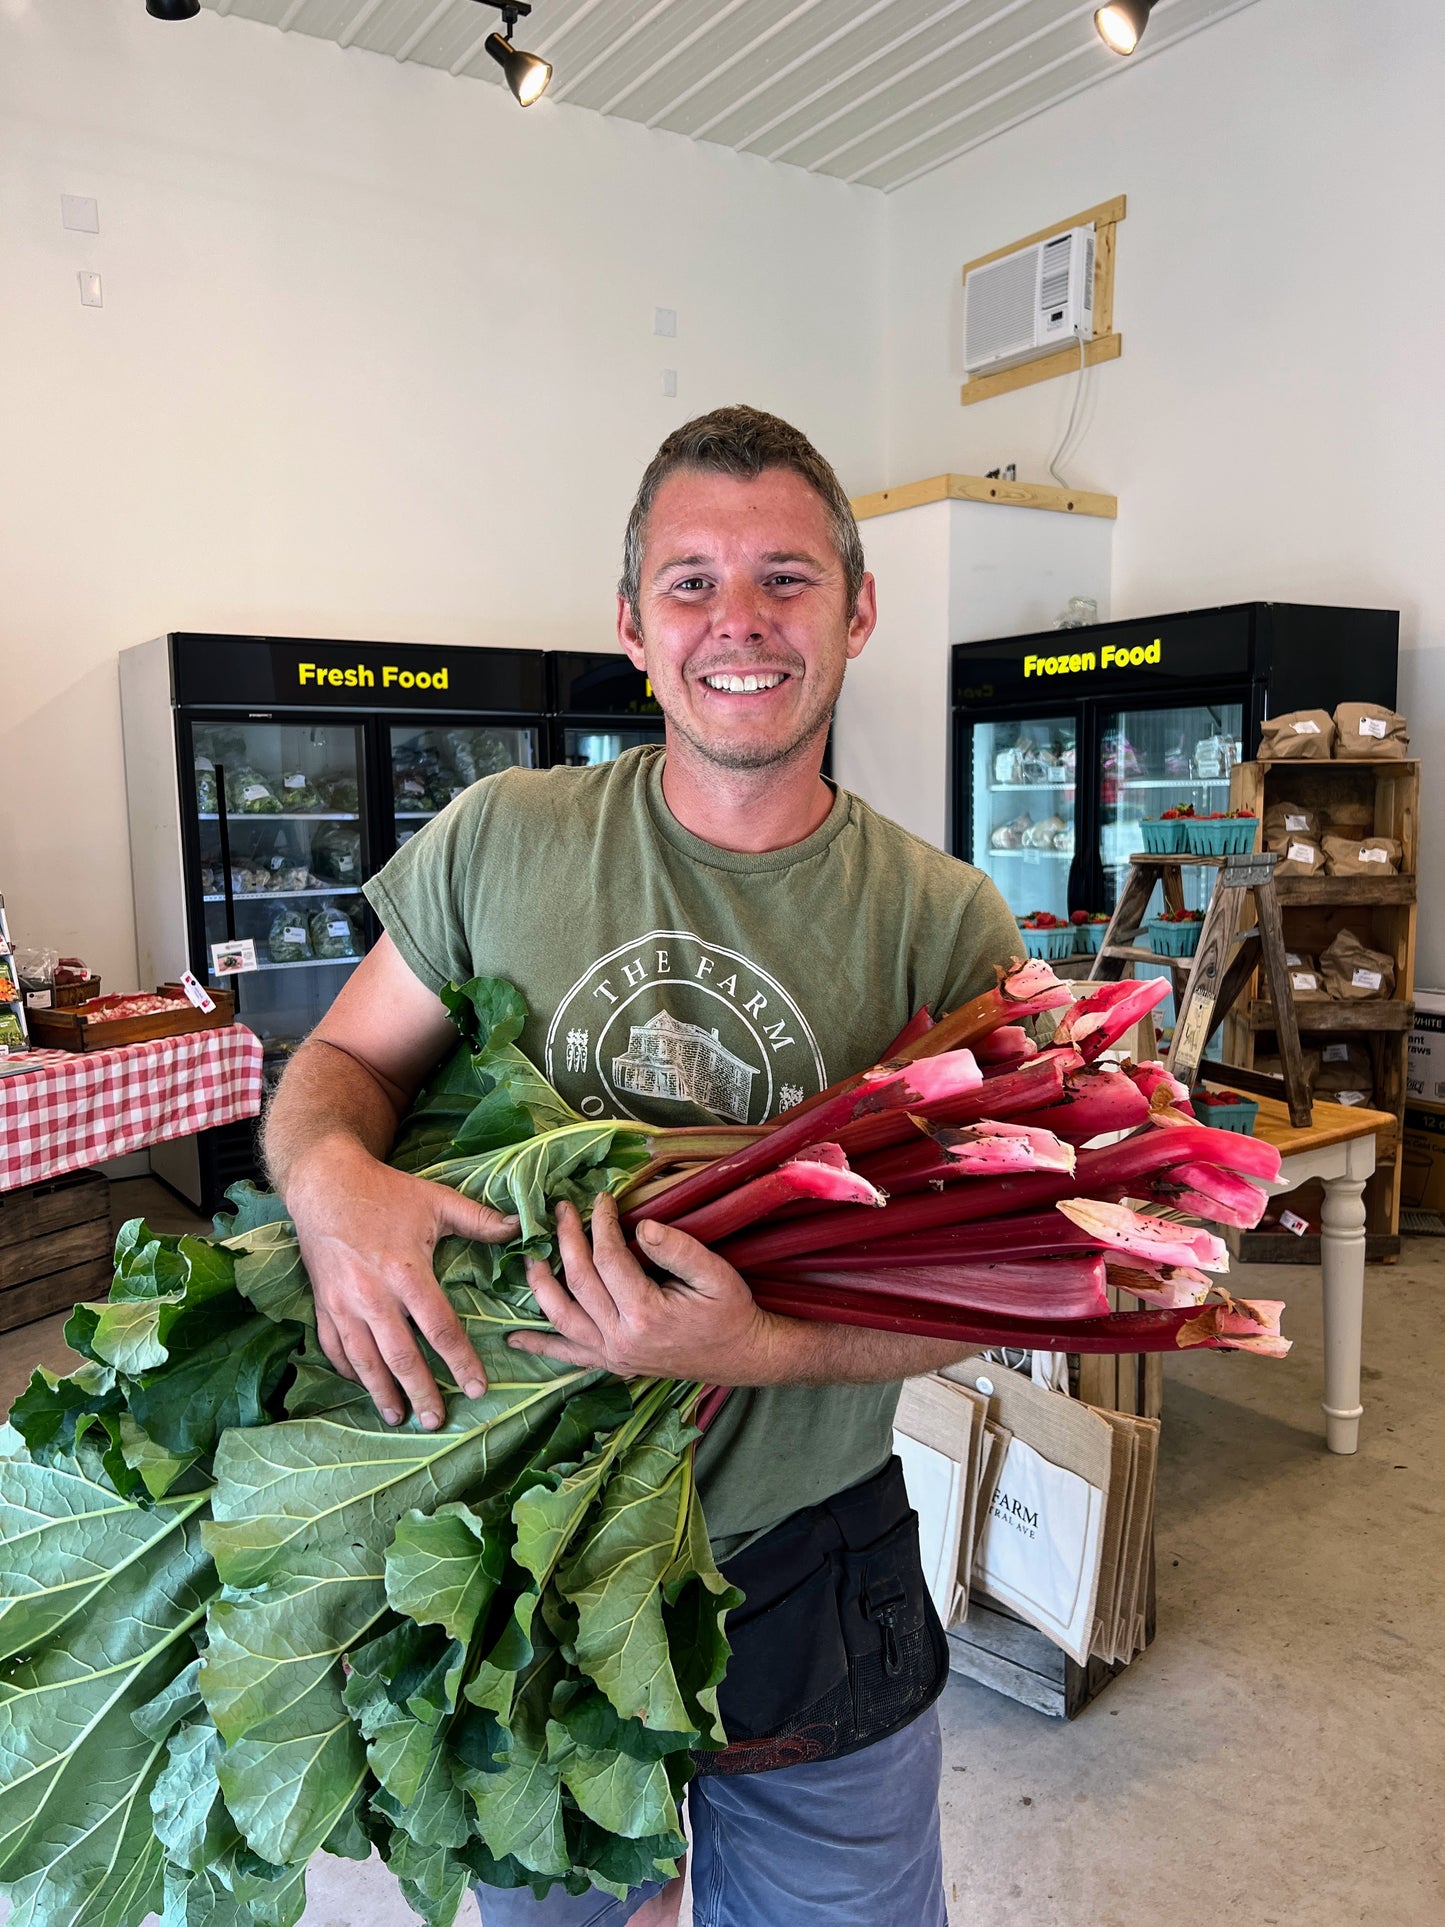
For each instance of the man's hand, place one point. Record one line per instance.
(367, 1235)
(700, 1322)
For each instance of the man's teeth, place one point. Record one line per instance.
(742, 685)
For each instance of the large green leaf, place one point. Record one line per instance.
(619, 1791)
(443, 1567)
(285, 1489)
(614, 1578)
(162, 1285)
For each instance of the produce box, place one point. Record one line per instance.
(1058, 942)
(1235, 1113)
(1220, 836)
(1174, 939)
(54, 1246)
(1087, 938)
(1162, 837)
(97, 1026)
(1422, 1157)
(1425, 1073)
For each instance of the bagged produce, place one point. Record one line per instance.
(1372, 856)
(206, 786)
(1270, 1066)
(289, 940)
(409, 790)
(1370, 730)
(1349, 816)
(1010, 836)
(1305, 978)
(1303, 736)
(338, 792)
(1346, 1075)
(250, 794)
(1299, 856)
(298, 792)
(333, 934)
(1041, 835)
(336, 853)
(1352, 971)
(476, 754)
(1289, 819)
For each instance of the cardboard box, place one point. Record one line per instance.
(1425, 1074)
(1422, 1157)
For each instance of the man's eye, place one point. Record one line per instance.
(691, 583)
(787, 581)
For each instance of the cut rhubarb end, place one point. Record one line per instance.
(798, 1178)
(1154, 1239)
(1101, 1018)
(1007, 1045)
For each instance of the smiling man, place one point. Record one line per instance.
(708, 931)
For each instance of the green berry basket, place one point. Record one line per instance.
(1087, 938)
(1052, 944)
(1174, 939)
(1161, 837)
(1237, 1115)
(1225, 836)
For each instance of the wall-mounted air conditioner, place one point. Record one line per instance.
(1029, 302)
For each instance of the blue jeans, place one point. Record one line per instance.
(852, 1842)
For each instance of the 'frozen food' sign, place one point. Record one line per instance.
(1079, 661)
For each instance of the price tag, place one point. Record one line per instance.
(230, 959)
(197, 992)
(1301, 852)
(253, 792)
(1349, 1097)
(1374, 856)
(1373, 726)
(1297, 823)
(1367, 979)
(1304, 980)
(293, 933)
(1193, 1036)
(1305, 728)
(1337, 1054)
(39, 1000)
(1293, 1222)
(296, 781)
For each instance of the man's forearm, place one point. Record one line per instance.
(799, 1352)
(326, 1102)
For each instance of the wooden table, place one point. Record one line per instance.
(1338, 1149)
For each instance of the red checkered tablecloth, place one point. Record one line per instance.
(75, 1108)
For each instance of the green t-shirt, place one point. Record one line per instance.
(679, 983)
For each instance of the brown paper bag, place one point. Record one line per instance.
(1349, 818)
(1274, 1066)
(1370, 730)
(1299, 856)
(1370, 856)
(1306, 981)
(1303, 736)
(1353, 972)
(1289, 819)
(1346, 1075)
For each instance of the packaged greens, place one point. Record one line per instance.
(336, 853)
(333, 934)
(338, 792)
(289, 941)
(249, 793)
(226, 746)
(297, 792)
(12, 1037)
(205, 786)
(477, 753)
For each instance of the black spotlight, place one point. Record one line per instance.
(173, 9)
(1121, 24)
(528, 75)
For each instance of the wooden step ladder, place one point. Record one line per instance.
(1208, 984)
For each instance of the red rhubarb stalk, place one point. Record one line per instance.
(1205, 1191)
(911, 1087)
(988, 1149)
(1057, 1288)
(1251, 1157)
(1101, 1018)
(1040, 1235)
(919, 1023)
(1154, 1239)
(1006, 1046)
(809, 1177)
(1094, 1100)
(1038, 1082)
(1161, 1085)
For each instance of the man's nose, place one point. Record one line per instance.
(741, 614)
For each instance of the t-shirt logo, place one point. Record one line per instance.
(671, 1024)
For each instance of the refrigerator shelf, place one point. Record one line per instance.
(1059, 856)
(415, 816)
(281, 816)
(309, 963)
(997, 789)
(1171, 782)
(284, 896)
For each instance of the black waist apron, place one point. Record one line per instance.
(837, 1643)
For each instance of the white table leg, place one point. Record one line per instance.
(1342, 1268)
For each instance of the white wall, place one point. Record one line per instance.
(376, 360)
(1276, 425)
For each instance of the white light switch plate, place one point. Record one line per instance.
(80, 213)
(89, 289)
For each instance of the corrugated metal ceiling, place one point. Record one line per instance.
(873, 91)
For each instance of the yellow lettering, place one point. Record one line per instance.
(1108, 654)
(423, 680)
(334, 677)
(306, 673)
(365, 678)
(407, 679)
(1031, 667)
(388, 676)
(349, 678)
(1088, 660)
(439, 679)
(1154, 651)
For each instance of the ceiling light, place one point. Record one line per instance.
(528, 75)
(173, 9)
(1121, 24)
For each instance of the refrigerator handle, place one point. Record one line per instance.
(225, 829)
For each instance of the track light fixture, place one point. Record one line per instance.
(173, 9)
(528, 75)
(1121, 24)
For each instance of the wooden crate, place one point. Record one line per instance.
(55, 1246)
(77, 1030)
(1017, 1660)
(1381, 912)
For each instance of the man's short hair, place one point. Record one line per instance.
(742, 442)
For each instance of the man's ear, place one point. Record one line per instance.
(629, 635)
(864, 617)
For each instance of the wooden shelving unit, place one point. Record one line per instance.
(1381, 912)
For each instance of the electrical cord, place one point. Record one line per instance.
(1058, 454)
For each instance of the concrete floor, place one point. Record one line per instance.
(1276, 1759)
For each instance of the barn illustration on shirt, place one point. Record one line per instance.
(666, 1058)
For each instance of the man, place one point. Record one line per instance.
(709, 931)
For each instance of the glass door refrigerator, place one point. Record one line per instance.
(599, 706)
(267, 779)
(1064, 740)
